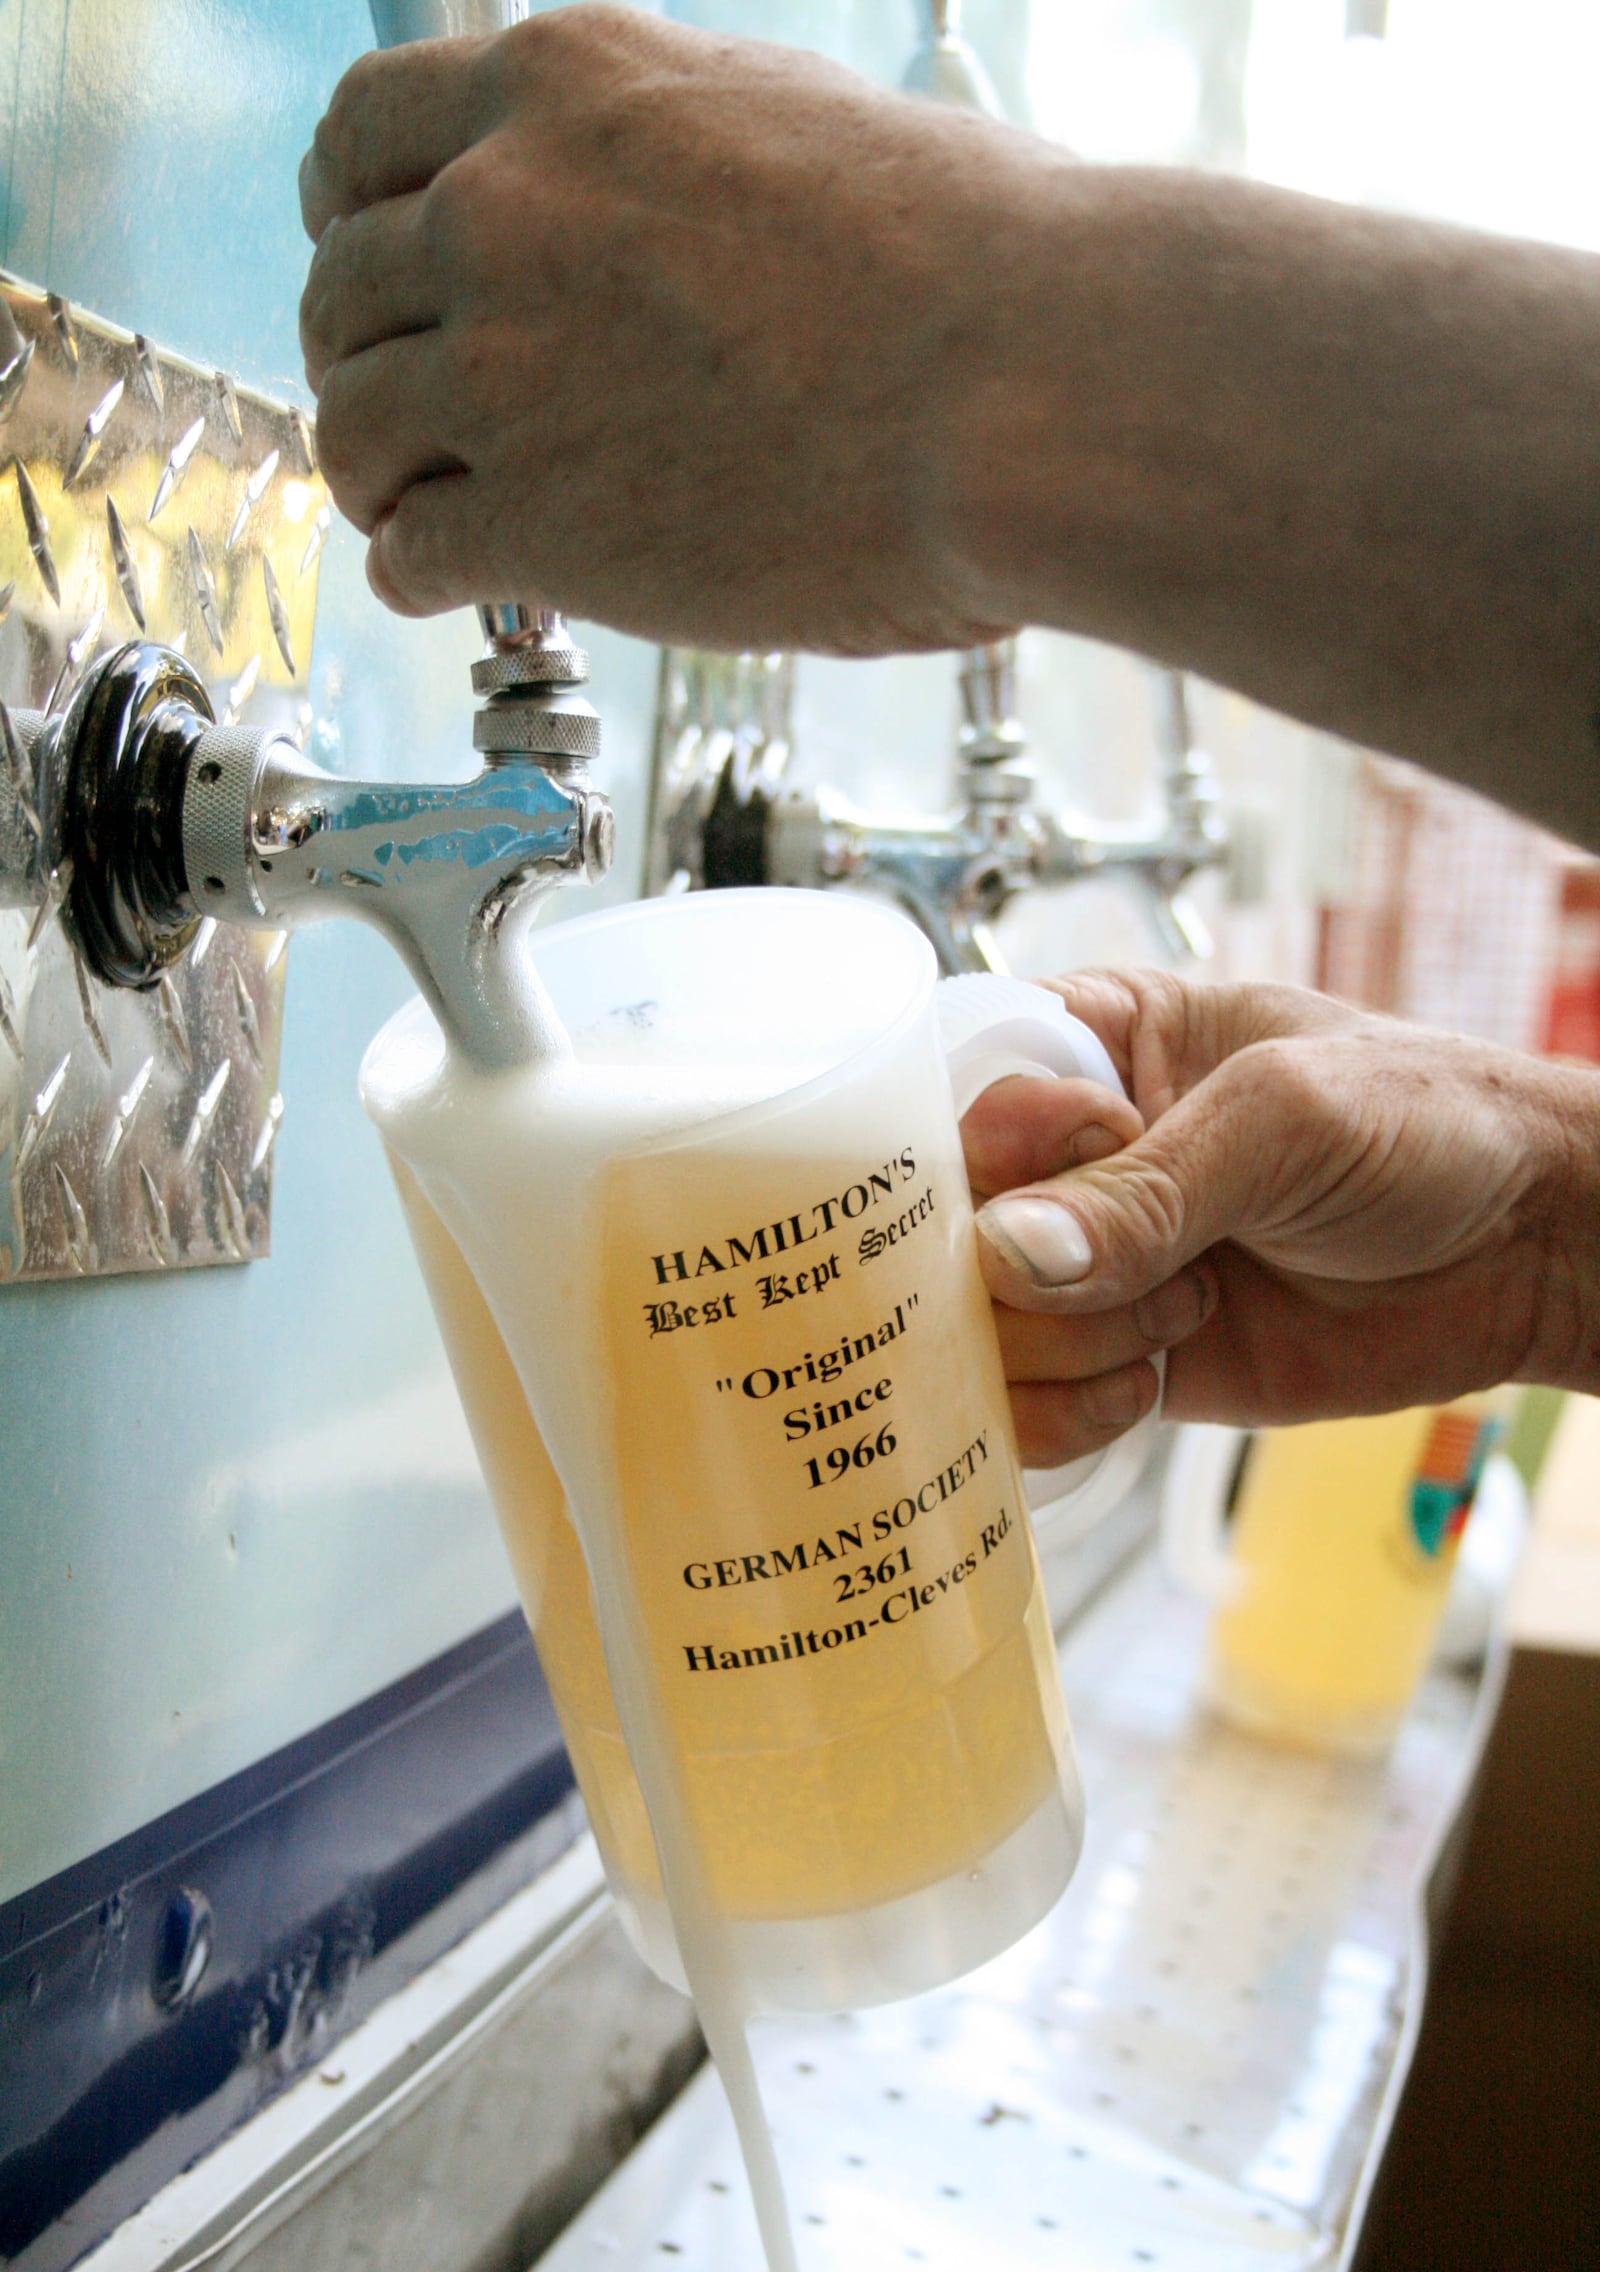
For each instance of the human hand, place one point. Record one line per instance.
(615, 316)
(1075, 1384)
(1376, 1216)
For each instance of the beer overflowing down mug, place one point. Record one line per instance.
(710, 1290)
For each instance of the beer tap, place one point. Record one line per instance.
(152, 817)
(954, 873)
(141, 816)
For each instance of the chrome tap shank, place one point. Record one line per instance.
(450, 875)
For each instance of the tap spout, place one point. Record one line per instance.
(450, 875)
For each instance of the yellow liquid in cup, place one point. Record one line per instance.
(836, 1777)
(1344, 1535)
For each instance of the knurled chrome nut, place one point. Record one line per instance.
(529, 666)
(218, 796)
(518, 729)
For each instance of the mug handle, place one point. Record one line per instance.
(1194, 1499)
(991, 1027)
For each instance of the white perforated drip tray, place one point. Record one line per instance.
(1186, 2065)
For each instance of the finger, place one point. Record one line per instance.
(1028, 1127)
(1223, 1163)
(431, 554)
(1038, 1346)
(1166, 1034)
(1063, 1420)
(397, 116)
(369, 280)
(375, 434)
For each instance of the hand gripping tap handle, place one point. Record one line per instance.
(140, 816)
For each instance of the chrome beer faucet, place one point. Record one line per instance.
(140, 817)
(956, 873)
(722, 815)
(151, 817)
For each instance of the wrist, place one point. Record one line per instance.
(1081, 464)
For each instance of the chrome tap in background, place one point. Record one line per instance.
(724, 816)
(397, 21)
(947, 68)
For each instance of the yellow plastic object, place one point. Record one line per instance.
(1343, 1539)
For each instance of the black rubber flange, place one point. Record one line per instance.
(125, 745)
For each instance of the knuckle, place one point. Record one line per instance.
(1113, 1401)
(404, 564)
(335, 139)
(1155, 1208)
(1159, 994)
(1172, 1311)
(560, 49)
(456, 217)
(311, 341)
(1279, 1073)
(450, 201)
(318, 300)
(565, 28)
(524, 52)
(1173, 1010)
(1061, 1421)
(392, 563)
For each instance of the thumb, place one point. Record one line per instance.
(1098, 1237)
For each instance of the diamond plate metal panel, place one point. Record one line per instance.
(142, 496)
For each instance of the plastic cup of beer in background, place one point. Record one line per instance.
(1326, 1553)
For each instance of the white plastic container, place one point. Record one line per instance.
(721, 1263)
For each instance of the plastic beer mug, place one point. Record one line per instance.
(711, 1294)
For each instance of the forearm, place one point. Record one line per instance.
(1344, 462)
(719, 345)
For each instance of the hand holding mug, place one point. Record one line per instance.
(1319, 1211)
